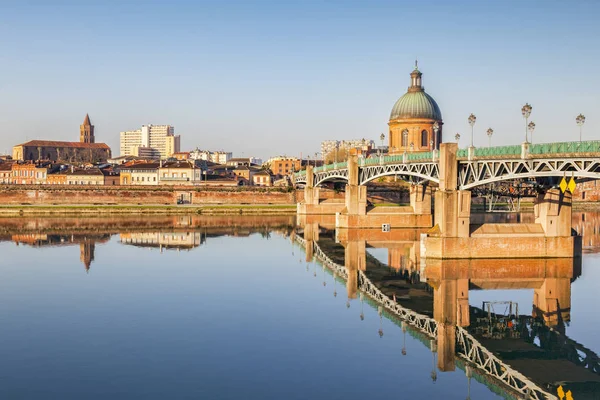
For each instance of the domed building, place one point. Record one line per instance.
(412, 120)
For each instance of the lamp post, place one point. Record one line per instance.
(316, 156)
(337, 149)
(436, 128)
(308, 161)
(457, 137)
(472, 119)
(526, 111)
(382, 138)
(580, 119)
(412, 147)
(531, 127)
(490, 132)
(405, 139)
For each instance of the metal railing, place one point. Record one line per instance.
(468, 348)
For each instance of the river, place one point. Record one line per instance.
(222, 308)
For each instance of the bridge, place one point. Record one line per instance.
(476, 166)
(464, 344)
(442, 181)
(565, 360)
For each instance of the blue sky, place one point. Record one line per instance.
(276, 77)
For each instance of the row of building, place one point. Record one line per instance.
(137, 173)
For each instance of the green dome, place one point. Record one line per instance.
(416, 104)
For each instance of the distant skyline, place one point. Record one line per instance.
(268, 78)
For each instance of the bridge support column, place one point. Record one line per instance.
(552, 301)
(355, 259)
(311, 235)
(450, 309)
(452, 206)
(553, 211)
(356, 195)
(420, 199)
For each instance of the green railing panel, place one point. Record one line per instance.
(498, 151)
(590, 146)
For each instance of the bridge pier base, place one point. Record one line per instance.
(356, 215)
(312, 205)
(355, 259)
(454, 238)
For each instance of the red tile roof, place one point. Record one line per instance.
(56, 143)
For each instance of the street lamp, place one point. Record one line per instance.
(531, 127)
(472, 119)
(457, 137)
(526, 111)
(316, 156)
(412, 147)
(490, 132)
(580, 119)
(382, 138)
(337, 148)
(436, 128)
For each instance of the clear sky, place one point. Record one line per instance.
(263, 78)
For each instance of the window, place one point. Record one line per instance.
(424, 141)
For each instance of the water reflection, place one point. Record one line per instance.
(533, 341)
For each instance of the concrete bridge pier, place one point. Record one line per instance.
(312, 203)
(311, 235)
(355, 259)
(355, 214)
(454, 238)
(552, 301)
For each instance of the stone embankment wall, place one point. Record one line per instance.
(45, 195)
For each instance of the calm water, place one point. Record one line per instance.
(216, 308)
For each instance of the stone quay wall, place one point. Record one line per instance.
(123, 195)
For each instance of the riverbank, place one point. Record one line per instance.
(229, 209)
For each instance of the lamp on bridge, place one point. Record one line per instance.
(403, 338)
(436, 129)
(490, 132)
(380, 312)
(531, 127)
(580, 119)
(334, 284)
(526, 111)
(433, 347)
(457, 137)
(472, 119)
(405, 139)
(382, 138)
(412, 147)
(362, 314)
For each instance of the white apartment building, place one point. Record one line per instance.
(219, 157)
(327, 146)
(159, 138)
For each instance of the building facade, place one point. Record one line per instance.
(179, 173)
(140, 173)
(284, 165)
(86, 150)
(329, 146)
(29, 173)
(160, 138)
(413, 120)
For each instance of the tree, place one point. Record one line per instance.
(342, 155)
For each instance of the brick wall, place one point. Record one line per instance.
(11, 195)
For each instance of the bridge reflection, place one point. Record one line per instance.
(532, 345)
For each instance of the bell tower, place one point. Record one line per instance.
(86, 131)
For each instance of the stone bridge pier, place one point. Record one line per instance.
(312, 205)
(356, 214)
(454, 237)
(355, 259)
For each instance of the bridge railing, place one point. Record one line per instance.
(590, 146)
(468, 347)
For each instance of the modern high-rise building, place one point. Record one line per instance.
(161, 138)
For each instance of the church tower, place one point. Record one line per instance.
(86, 131)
